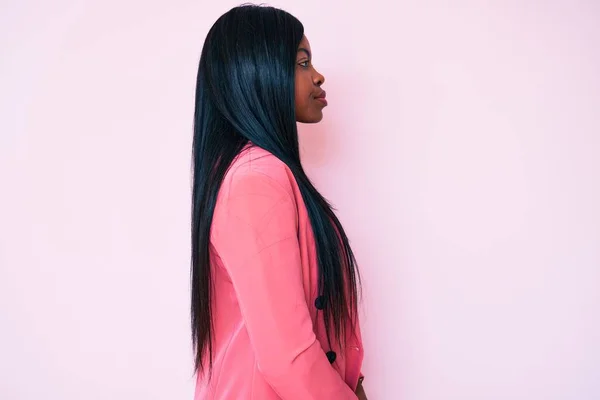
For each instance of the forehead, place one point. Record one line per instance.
(304, 43)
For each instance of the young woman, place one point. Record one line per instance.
(274, 280)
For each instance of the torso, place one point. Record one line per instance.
(235, 371)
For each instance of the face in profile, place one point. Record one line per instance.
(309, 97)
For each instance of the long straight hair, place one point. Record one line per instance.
(245, 93)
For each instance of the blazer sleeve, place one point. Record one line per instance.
(256, 238)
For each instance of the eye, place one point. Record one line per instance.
(304, 64)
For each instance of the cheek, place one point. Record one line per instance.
(298, 98)
(303, 91)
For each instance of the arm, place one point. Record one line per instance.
(257, 240)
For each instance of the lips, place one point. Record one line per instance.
(321, 95)
(321, 98)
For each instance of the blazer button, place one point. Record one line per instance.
(320, 302)
(331, 356)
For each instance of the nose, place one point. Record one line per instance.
(318, 79)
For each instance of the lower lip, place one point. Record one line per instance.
(322, 100)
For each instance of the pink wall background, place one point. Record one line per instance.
(461, 147)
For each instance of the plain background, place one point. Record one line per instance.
(461, 148)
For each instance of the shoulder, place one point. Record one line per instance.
(257, 193)
(260, 172)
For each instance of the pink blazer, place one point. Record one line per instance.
(270, 340)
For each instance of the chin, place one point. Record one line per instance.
(313, 119)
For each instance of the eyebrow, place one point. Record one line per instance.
(304, 50)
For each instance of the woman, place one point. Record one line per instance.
(274, 280)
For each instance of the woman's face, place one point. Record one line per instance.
(310, 98)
